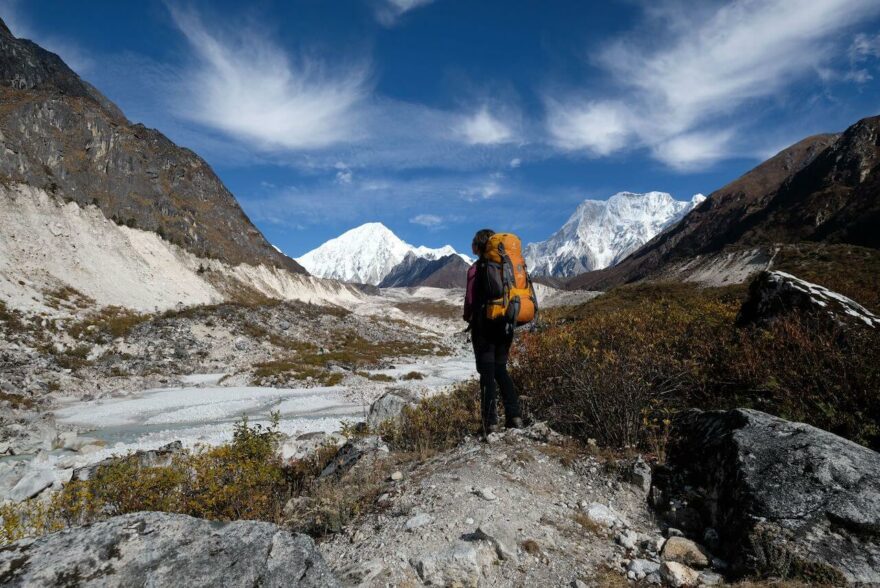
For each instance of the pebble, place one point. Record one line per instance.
(397, 476)
(486, 493)
(420, 520)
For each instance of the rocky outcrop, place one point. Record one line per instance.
(787, 499)
(59, 134)
(390, 405)
(773, 294)
(158, 549)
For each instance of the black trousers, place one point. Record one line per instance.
(491, 348)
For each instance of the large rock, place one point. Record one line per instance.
(462, 564)
(389, 406)
(351, 453)
(787, 499)
(159, 549)
(772, 294)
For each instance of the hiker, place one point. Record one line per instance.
(492, 317)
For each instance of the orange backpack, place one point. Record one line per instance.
(510, 292)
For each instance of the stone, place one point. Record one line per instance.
(283, 325)
(627, 539)
(420, 520)
(307, 445)
(486, 493)
(639, 474)
(397, 476)
(578, 583)
(773, 294)
(390, 405)
(240, 344)
(461, 564)
(678, 575)
(352, 452)
(160, 549)
(780, 494)
(602, 515)
(642, 568)
(681, 550)
(34, 481)
(502, 537)
(710, 579)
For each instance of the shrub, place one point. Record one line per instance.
(437, 423)
(615, 368)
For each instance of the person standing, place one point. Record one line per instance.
(491, 339)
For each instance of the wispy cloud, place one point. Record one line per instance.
(427, 220)
(483, 128)
(388, 12)
(681, 96)
(246, 86)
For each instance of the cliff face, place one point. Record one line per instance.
(59, 134)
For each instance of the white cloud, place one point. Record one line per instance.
(692, 150)
(482, 128)
(244, 85)
(427, 220)
(515, 163)
(482, 190)
(388, 12)
(688, 70)
(600, 128)
(864, 46)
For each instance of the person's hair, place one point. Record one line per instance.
(480, 240)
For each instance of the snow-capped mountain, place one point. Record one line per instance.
(602, 233)
(365, 255)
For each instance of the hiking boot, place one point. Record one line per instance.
(493, 429)
(515, 423)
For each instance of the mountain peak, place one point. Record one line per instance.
(601, 233)
(4, 30)
(366, 254)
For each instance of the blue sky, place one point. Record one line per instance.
(439, 117)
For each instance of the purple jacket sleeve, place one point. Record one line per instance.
(469, 293)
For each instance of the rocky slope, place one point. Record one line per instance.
(59, 134)
(821, 189)
(366, 255)
(600, 233)
(158, 549)
(449, 271)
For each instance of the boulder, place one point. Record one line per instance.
(786, 499)
(502, 536)
(639, 474)
(462, 564)
(34, 481)
(390, 405)
(602, 515)
(678, 575)
(681, 550)
(160, 549)
(307, 445)
(772, 294)
(352, 452)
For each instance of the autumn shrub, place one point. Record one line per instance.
(436, 423)
(617, 367)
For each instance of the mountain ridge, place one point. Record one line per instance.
(820, 189)
(89, 153)
(600, 233)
